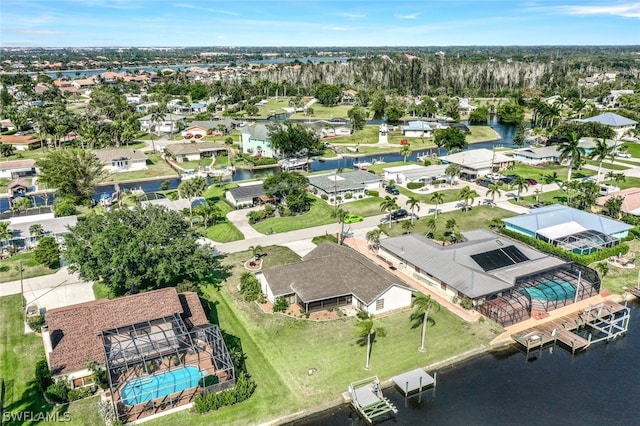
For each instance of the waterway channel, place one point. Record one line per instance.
(596, 387)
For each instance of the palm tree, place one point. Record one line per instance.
(373, 237)
(453, 171)
(578, 105)
(412, 203)
(228, 141)
(467, 195)
(208, 211)
(366, 332)
(520, 184)
(432, 224)
(6, 234)
(601, 152)
(421, 305)
(492, 191)
(616, 177)
(157, 116)
(36, 230)
(437, 198)
(614, 206)
(405, 151)
(389, 204)
(569, 187)
(602, 268)
(340, 214)
(256, 251)
(192, 188)
(570, 150)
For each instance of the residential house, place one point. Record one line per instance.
(122, 160)
(574, 230)
(18, 188)
(618, 123)
(110, 77)
(178, 205)
(53, 226)
(151, 338)
(402, 175)
(255, 141)
(535, 156)
(210, 128)
(246, 194)
(465, 107)
(630, 200)
(195, 151)
(333, 276)
(354, 183)
(6, 125)
(21, 142)
(588, 144)
(476, 163)
(348, 96)
(171, 123)
(417, 129)
(507, 281)
(17, 168)
(612, 100)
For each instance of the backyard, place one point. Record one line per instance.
(617, 279)
(10, 268)
(320, 214)
(223, 231)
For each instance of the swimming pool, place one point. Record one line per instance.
(551, 291)
(145, 389)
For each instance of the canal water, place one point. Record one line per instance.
(597, 387)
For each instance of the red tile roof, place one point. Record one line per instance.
(75, 330)
(18, 140)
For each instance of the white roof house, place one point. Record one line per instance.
(415, 173)
(475, 163)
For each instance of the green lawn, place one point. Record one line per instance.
(369, 206)
(546, 174)
(10, 268)
(476, 217)
(223, 231)
(322, 238)
(280, 351)
(380, 166)
(607, 165)
(481, 134)
(321, 112)
(617, 279)
(157, 167)
(274, 106)
(19, 353)
(450, 193)
(320, 214)
(632, 148)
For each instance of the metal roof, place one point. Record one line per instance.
(336, 182)
(609, 119)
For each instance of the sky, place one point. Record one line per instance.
(139, 23)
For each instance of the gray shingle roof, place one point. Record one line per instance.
(194, 148)
(344, 182)
(454, 265)
(545, 217)
(108, 155)
(257, 131)
(331, 270)
(247, 191)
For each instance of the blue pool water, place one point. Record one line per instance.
(551, 291)
(147, 388)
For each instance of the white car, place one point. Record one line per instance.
(623, 155)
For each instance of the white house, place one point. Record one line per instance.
(171, 123)
(545, 154)
(333, 276)
(475, 163)
(122, 160)
(341, 184)
(405, 174)
(17, 168)
(618, 123)
(255, 141)
(417, 129)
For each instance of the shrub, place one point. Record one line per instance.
(43, 375)
(36, 322)
(439, 181)
(187, 285)
(165, 185)
(371, 193)
(242, 391)
(415, 185)
(281, 305)
(81, 393)
(99, 375)
(58, 391)
(250, 287)
(47, 252)
(64, 208)
(360, 196)
(324, 197)
(348, 196)
(426, 163)
(466, 303)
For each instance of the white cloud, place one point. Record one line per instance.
(31, 32)
(410, 16)
(626, 10)
(192, 6)
(353, 16)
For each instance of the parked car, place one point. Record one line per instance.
(485, 182)
(623, 155)
(352, 218)
(531, 182)
(395, 215)
(509, 178)
(391, 189)
(494, 176)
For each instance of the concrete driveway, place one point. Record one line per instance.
(240, 220)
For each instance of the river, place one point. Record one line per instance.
(596, 387)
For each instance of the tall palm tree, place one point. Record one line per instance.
(6, 234)
(413, 203)
(492, 191)
(432, 224)
(208, 211)
(405, 151)
(157, 116)
(570, 150)
(616, 177)
(389, 204)
(421, 305)
(520, 184)
(366, 331)
(437, 198)
(373, 237)
(467, 195)
(340, 214)
(578, 105)
(192, 188)
(256, 251)
(601, 152)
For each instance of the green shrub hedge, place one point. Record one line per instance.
(81, 393)
(242, 391)
(371, 193)
(415, 185)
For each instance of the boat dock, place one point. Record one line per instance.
(367, 398)
(294, 164)
(608, 319)
(414, 381)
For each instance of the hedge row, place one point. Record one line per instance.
(582, 259)
(212, 401)
(415, 185)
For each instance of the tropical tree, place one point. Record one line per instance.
(192, 188)
(389, 204)
(47, 252)
(617, 178)
(453, 171)
(367, 331)
(422, 304)
(614, 206)
(413, 203)
(373, 237)
(289, 138)
(358, 116)
(437, 198)
(520, 183)
(570, 150)
(602, 268)
(407, 226)
(432, 224)
(601, 152)
(6, 234)
(209, 211)
(340, 214)
(157, 116)
(405, 151)
(492, 191)
(467, 195)
(451, 138)
(256, 251)
(570, 187)
(36, 230)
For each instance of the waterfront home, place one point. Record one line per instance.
(505, 280)
(476, 163)
(348, 96)
(18, 188)
(195, 151)
(354, 183)
(170, 123)
(255, 141)
(17, 168)
(589, 144)
(333, 276)
(417, 129)
(574, 230)
(621, 125)
(535, 156)
(246, 194)
(402, 175)
(21, 142)
(122, 160)
(612, 100)
(156, 348)
(54, 226)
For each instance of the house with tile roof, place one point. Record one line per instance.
(21, 142)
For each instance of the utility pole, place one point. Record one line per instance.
(21, 284)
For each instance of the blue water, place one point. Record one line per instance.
(551, 291)
(148, 388)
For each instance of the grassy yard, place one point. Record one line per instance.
(607, 166)
(19, 353)
(102, 291)
(476, 217)
(223, 231)
(450, 193)
(280, 351)
(321, 112)
(320, 214)
(617, 279)
(482, 134)
(369, 206)
(548, 174)
(157, 167)
(10, 268)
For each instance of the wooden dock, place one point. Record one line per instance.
(563, 329)
(414, 381)
(634, 290)
(367, 398)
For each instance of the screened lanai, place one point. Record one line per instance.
(542, 291)
(586, 242)
(161, 364)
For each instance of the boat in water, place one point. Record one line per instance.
(191, 174)
(362, 165)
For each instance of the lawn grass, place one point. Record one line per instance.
(320, 214)
(450, 194)
(481, 134)
(617, 279)
(10, 268)
(607, 165)
(280, 351)
(157, 167)
(369, 206)
(632, 148)
(476, 217)
(102, 291)
(548, 174)
(380, 166)
(321, 112)
(223, 231)
(274, 106)
(323, 238)
(19, 353)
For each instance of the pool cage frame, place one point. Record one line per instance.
(517, 305)
(584, 242)
(158, 346)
